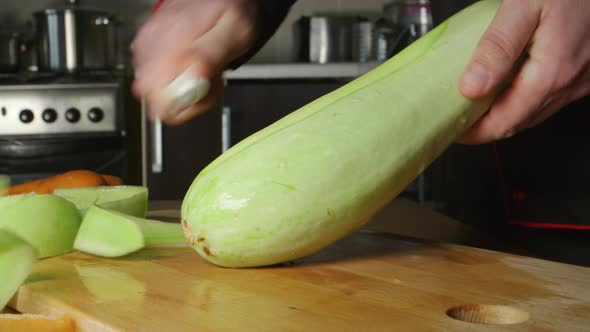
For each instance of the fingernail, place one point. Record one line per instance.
(187, 89)
(475, 80)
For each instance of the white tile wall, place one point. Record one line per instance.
(134, 12)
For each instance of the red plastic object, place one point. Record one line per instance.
(157, 5)
(548, 225)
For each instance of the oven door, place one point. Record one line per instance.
(29, 158)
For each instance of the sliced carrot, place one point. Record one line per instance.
(23, 188)
(71, 179)
(112, 180)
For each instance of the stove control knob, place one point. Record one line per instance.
(49, 115)
(95, 114)
(72, 115)
(26, 116)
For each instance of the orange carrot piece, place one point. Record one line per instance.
(71, 179)
(112, 180)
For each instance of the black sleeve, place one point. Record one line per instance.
(443, 9)
(272, 14)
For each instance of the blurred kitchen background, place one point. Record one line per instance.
(65, 102)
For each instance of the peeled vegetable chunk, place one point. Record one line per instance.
(323, 171)
(49, 223)
(111, 234)
(131, 200)
(17, 259)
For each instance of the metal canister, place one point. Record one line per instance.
(393, 11)
(71, 39)
(9, 51)
(417, 16)
(363, 35)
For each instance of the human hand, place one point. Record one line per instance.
(203, 36)
(555, 36)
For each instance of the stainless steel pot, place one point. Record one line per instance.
(326, 38)
(72, 39)
(9, 52)
(363, 41)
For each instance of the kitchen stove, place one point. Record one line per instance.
(51, 123)
(46, 104)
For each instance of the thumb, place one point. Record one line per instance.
(500, 47)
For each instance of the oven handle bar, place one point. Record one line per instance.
(157, 147)
(157, 153)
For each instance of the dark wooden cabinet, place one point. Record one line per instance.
(254, 104)
(186, 150)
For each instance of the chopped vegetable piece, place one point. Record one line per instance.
(131, 200)
(47, 222)
(17, 259)
(111, 234)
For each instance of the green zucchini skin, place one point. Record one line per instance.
(323, 171)
(17, 259)
(47, 222)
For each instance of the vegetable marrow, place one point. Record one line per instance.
(323, 171)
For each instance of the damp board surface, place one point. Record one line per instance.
(367, 281)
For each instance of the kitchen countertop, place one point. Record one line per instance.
(371, 279)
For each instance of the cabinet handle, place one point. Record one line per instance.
(225, 128)
(155, 140)
(157, 147)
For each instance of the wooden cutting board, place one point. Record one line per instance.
(368, 281)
